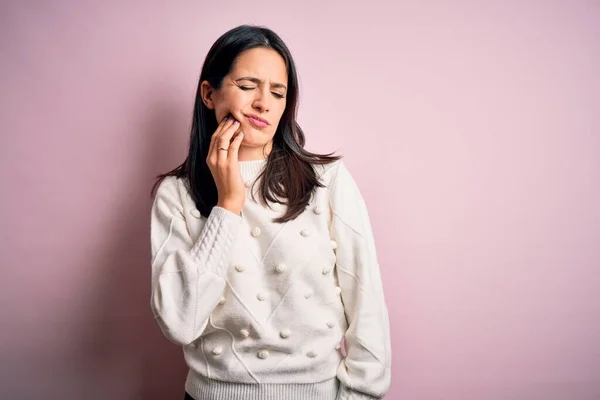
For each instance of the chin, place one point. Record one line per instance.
(255, 138)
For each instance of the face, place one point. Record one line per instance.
(254, 93)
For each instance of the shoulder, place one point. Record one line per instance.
(328, 173)
(336, 175)
(169, 186)
(171, 193)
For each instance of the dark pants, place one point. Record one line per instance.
(188, 397)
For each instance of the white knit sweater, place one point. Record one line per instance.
(260, 308)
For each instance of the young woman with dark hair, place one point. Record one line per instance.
(263, 258)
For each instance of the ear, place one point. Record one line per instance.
(207, 92)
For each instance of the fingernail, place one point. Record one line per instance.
(236, 122)
(226, 118)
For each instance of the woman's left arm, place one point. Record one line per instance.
(365, 372)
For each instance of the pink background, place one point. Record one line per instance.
(471, 127)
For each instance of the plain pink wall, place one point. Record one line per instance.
(472, 129)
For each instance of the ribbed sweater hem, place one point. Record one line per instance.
(202, 388)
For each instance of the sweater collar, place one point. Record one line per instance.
(251, 169)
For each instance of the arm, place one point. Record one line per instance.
(188, 277)
(365, 372)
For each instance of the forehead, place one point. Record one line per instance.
(265, 64)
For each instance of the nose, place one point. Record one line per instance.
(261, 101)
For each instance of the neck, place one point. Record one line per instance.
(247, 153)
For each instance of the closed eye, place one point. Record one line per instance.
(246, 88)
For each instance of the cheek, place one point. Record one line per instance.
(280, 111)
(281, 107)
(230, 101)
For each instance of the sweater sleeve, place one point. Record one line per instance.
(365, 371)
(188, 276)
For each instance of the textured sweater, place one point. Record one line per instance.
(262, 309)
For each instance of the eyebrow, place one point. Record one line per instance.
(257, 81)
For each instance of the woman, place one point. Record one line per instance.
(263, 258)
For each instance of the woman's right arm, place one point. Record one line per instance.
(188, 276)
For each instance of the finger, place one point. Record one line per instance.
(218, 131)
(212, 149)
(224, 141)
(235, 147)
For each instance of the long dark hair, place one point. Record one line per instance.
(289, 176)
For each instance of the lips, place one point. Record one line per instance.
(257, 121)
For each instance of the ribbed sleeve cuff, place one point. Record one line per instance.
(215, 244)
(349, 394)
